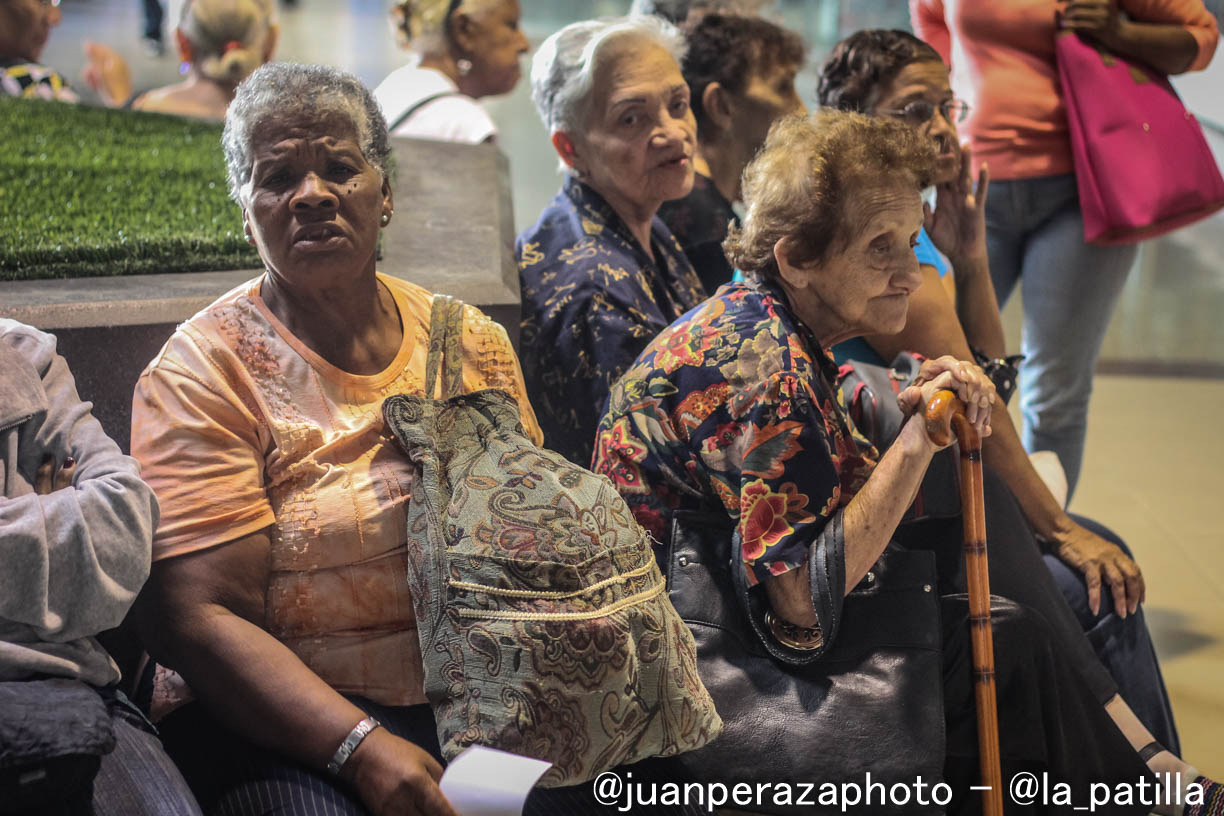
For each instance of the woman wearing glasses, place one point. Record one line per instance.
(891, 73)
(1005, 67)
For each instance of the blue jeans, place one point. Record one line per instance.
(1035, 236)
(153, 16)
(1111, 654)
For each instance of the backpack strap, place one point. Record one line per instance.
(416, 106)
(445, 347)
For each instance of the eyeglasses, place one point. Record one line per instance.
(919, 112)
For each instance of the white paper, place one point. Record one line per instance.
(486, 782)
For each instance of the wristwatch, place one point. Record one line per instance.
(360, 731)
(1002, 372)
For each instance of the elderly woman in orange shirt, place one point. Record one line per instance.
(278, 594)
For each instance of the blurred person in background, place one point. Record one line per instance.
(677, 11)
(25, 27)
(220, 42)
(151, 32)
(1003, 65)
(463, 50)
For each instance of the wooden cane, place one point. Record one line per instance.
(945, 414)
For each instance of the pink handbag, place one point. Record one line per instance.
(1142, 165)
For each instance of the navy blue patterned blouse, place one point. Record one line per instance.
(592, 299)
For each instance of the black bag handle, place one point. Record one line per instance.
(825, 571)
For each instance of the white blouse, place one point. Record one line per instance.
(448, 116)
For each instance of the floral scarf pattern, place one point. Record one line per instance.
(734, 408)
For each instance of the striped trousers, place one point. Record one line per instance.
(231, 777)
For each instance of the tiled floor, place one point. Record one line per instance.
(1153, 473)
(1155, 462)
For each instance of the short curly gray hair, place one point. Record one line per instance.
(290, 92)
(563, 70)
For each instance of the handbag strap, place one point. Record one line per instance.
(716, 533)
(416, 106)
(445, 347)
(824, 579)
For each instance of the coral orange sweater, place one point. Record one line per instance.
(1002, 59)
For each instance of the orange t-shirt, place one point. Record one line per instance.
(239, 426)
(1003, 65)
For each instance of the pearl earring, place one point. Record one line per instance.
(386, 219)
(464, 66)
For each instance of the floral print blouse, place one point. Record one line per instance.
(593, 297)
(735, 408)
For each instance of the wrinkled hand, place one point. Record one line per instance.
(965, 379)
(48, 478)
(957, 225)
(107, 73)
(1101, 561)
(1097, 18)
(396, 778)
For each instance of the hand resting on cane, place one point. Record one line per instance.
(872, 516)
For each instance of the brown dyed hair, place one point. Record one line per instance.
(803, 182)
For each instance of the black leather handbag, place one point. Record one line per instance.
(870, 703)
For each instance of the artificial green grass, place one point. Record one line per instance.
(88, 191)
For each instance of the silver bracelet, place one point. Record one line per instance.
(360, 731)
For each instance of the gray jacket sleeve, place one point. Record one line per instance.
(73, 559)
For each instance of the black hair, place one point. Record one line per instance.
(863, 63)
(729, 49)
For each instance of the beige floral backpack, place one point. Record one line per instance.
(544, 623)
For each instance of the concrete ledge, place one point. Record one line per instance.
(453, 232)
(128, 300)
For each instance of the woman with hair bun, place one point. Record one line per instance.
(221, 42)
(464, 49)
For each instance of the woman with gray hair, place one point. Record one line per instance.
(278, 602)
(463, 50)
(601, 274)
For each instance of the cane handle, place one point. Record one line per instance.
(939, 413)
